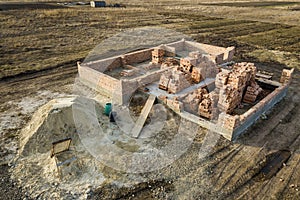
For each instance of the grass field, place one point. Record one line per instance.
(35, 38)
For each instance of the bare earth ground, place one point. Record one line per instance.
(39, 47)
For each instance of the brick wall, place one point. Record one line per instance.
(179, 46)
(97, 80)
(137, 57)
(105, 64)
(129, 86)
(228, 55)
(249, 117)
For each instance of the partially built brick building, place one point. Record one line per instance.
(192, 80)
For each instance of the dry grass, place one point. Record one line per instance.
(39, 38)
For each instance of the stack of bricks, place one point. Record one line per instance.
(190, 65)
(169, 62)
(205, 107)
(174, 104)
(192, 101)
(179, 81)
(158, 56)
(174, 81)
(164, 80)
(128, 72)
(196, 75)
(232, 85)
(187, 64)
(221, 79)
(229, 98)
(199, 102)
(252, 92)
(192, 69)
(286, 76)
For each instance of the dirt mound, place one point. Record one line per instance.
(38, 172)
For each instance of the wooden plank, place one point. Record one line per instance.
(265, 76)
(143, 116)
(269, 82)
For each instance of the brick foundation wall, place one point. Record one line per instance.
(248, 118)
(129, 86)
(137, 57)
(220, 58)
(228, 55)
(105, 64)
(179, 46)
(209, 49)
(97, 80)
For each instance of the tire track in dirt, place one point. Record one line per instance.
(192, 176)
(245, 158)
(228, 159)
(23, 85)
(290, 177)
(245, 177)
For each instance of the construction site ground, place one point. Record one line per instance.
(40, 46)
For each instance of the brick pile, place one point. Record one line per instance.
(251, 94)
(286, 76)
(174, 103)
(221, 79)
(179, 81)
(164, 80)
(192, 100)
(199, 103)
(191, 70)
(187, 64)
(169, 62)
(174, 81)
(196, 75)
(158, 56)
(205, 107)
(199, 66)
(233, 84)
(229, 98)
